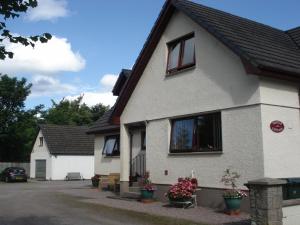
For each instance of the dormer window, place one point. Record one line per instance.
(181, 53)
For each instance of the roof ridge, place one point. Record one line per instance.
(291, 33)
(293, 29)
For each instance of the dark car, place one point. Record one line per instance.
(13, 174)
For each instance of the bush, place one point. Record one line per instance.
(183, 189)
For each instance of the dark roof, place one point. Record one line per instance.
(295, 35)
(103, 125)
(67, 140)
(264, 50)
(123, 76)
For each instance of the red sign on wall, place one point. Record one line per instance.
(277, 126)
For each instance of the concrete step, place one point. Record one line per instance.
(135, 184)
(134, 189)
(131, 195)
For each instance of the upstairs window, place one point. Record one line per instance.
(111, 146)
(197, 134)
(41, 141)
(181, 53)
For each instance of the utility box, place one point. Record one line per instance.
(291, 190)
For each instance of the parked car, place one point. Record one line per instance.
(13, 174)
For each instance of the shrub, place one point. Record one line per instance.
(183, 189)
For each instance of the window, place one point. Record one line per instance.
(143, 140)
(111, 146)
(197, 134)
(41, 141)
(181, 53)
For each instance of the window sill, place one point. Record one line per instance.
(111, 156)
(195, 153)
(180, 71)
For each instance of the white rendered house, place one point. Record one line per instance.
(211, 91)
(62, 149)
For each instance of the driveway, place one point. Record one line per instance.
(76, 203)
(45, 203)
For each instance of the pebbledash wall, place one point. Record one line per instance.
(291, 214)
(40, 152)
(105, 165)
(218, 83)
(57, 166)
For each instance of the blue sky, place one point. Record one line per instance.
(94, 40)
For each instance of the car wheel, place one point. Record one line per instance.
(6, 179)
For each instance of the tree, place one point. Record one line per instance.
(12, 96)
(74, 112)
(10, 9)
(98, 111)
(18, 127)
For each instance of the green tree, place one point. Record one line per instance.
(10, 9)
(98, 111)
(18, 127)
(74, 112)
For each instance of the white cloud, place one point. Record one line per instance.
(52, 57)
(93, 98)
(49, 86)
(109, 80)
(48, 10)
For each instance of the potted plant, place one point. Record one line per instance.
(183, 191)
(95, 180)
(233, 196)
(147, 189)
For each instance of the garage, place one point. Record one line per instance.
(62, 149)
(40, 169)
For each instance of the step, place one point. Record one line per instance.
(135, 184)
(134, 189)
(131, 195)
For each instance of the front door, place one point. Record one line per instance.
(138, 155)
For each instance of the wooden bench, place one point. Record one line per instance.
(74, 176)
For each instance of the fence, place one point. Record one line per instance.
(24, 165)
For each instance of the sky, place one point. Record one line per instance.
(93, 40)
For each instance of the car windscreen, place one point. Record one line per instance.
(18, 171)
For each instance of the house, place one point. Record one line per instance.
(107, 137)
(62, 149)
(211, 91)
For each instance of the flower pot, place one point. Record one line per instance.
(233, 205)
(146, 194)
(180, 202)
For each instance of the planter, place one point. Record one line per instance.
(182, 202)
(95, 181)
(233, 205)
(145, 194)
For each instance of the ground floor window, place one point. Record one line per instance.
(111, 146)
(200, 133)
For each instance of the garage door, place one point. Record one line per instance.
(40, 169)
